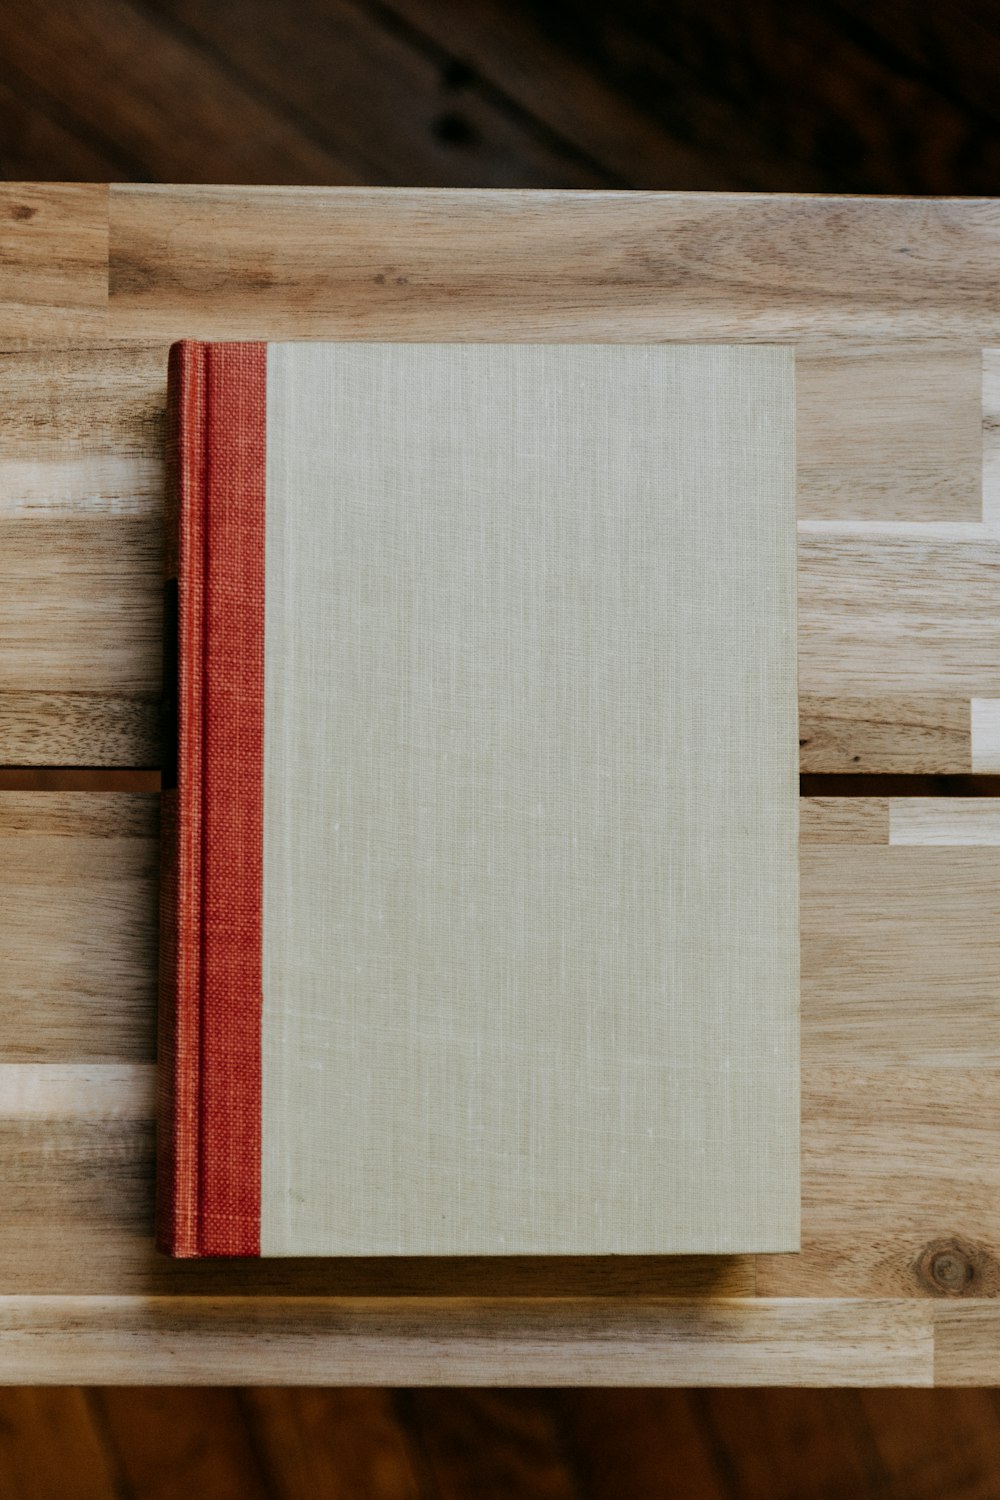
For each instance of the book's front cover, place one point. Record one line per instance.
(502, 670)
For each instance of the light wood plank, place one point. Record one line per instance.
(54, 255)
(899, 1169)
(77, 1091)
(890, 433)
(944, 821)
(900, 957)
(986, 735)
(412, 263)
(843, 820)
(81, 605)
(890, 607)
(991, 435)
(888, 733)
(78, 880)
(67, 729)
(83, 429)
(967, 1342)
(302, 1341)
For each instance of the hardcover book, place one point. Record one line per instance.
(480, 902)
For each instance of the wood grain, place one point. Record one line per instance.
(769, 1449)
(986, 735)
(991, 435)
(83, 429)
(78, 1219)
(900, 956)
(78, 876)
(944, 820)
(967, 1342)
(887, 733)
(887, 607)
(81, 606)
(501, 1341)
(901, 1054)
(54, 254)
(890, 433)
(899, 1185)
(887, 614)
(843, 820)
(350, 263)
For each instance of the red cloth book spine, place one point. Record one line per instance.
(208, 1147)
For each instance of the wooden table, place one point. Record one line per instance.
(892, 304)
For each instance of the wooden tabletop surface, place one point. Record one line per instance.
(894, 306)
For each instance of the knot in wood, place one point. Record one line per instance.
(950, 1268)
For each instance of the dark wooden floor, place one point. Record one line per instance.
(900, 96)
(846, 97)
(499, 1445)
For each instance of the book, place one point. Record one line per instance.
(480, 868)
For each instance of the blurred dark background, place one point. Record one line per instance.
(848, 97)
(705, 94)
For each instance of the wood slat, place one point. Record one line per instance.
(890, 659)
(890, 433)
(991, 435)
(285, 263)
(843, 820)
(887, 608)
(78, 884)
(54, 257)
(900, 956)
(944, 821)
(986, 735)
(81, 606)
(505, 1341)
(890, 733)
(899, 1185)
(967, 1342)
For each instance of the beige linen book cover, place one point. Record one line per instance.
(506, 724)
